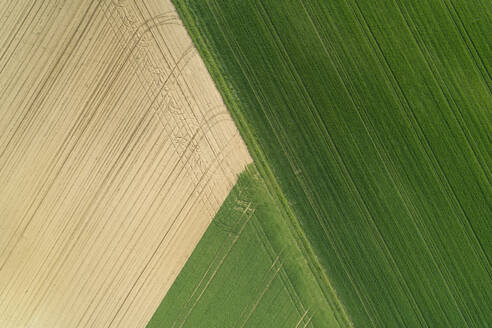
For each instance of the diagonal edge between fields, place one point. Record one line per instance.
(266, 172)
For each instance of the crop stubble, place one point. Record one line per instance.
(116, 151)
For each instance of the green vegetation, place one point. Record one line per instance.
(370, 122)
(246, 271)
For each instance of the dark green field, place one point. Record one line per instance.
(370, 122)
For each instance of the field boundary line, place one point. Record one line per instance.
(286, 282)
(264, 168)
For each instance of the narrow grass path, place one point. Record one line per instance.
(248, 271)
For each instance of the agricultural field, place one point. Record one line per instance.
(370, 123)
(128, 131)
(247, 271)
(116, 152)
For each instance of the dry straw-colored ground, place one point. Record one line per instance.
(116, 151)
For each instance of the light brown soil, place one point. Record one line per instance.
(116, 151)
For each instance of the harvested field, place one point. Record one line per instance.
(116, 151)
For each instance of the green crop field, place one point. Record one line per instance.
(370, 123)
(245, 271)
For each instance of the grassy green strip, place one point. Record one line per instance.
(247, 270)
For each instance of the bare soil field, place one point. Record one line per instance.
(116, 151)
